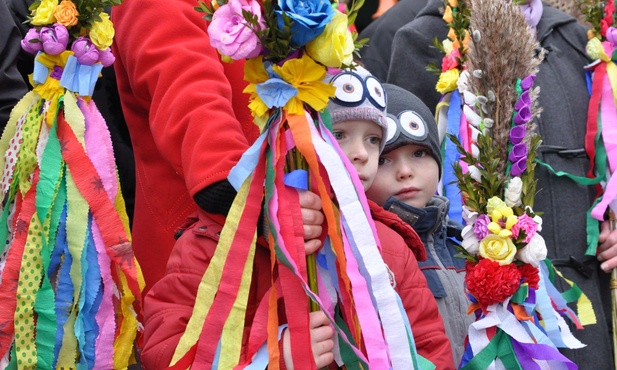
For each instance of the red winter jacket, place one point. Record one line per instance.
(169, 303)
(188, 118)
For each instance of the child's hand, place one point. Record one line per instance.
(312, 218)
(607, 247)
(321, 341)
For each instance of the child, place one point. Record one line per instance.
(359, 126)
(408, 176)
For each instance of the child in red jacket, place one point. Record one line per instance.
(359, 125)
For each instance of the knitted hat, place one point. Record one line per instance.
(359, 96)
(410, 122)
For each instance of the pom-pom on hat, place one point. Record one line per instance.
(410, 122)
(359, 96)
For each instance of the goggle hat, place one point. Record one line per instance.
(359, 96)
(410, 122)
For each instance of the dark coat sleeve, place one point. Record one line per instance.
(12, 84)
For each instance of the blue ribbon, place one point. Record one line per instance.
(80, 78)
(451, 155)
(64, 294)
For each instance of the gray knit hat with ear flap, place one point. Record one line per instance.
(410, 122)
(359, 96)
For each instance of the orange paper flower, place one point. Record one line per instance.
(66, 13)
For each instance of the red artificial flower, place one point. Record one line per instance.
(530, 275)
(489, 282)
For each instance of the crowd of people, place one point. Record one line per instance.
(189, 125)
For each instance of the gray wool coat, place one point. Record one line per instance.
(562, 124)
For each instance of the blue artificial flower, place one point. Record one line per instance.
(276, 92)
(309, 18)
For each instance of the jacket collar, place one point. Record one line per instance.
(424, 220)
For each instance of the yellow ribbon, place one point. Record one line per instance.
(584, 308)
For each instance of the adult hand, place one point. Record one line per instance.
(607, 247)
(322, 343)
(312, 218)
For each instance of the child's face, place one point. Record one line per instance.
(360, 141)
(408, 173)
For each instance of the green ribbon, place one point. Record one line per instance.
(499, 347)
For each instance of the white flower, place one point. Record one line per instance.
(534, 252)
(469, 216)
(469, 98)
(470, 241)
(474, 172)
(513, 192)
(462, 82)
(538, 220)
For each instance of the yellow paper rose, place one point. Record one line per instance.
(493, 204)
(498, 249)
(334, 47)
(44, 14)
(447, 81)
(102, 33)
(66, 13)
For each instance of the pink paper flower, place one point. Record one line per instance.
(229, 32)
(480, 227)
(106, 57)
(31, 42)
(528, 225)
(450, 61)
(85, 51)
(54, 39)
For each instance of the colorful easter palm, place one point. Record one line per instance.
(288, 47)
(70, 286)
(519, 313)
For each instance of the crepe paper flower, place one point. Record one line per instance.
(470, 241)
(530, 275)
(31, 42)
(453, 3)
(231, 34)
(523, 101)
(102, 33)
(447, 46)
(447, 15)
(513, 192)
(450, 61)
(480, 227)
(497, 248)
(106, 57)
(465, 42)
(538, 221)
(611, 35)
(519, 167)
(309, 17)
(517, 134)
(54, 39)
(66, 13)
(334, 46)
(255, 73)
(527, 82)
(489, 282)
(276, 92)
(475, 174)
(469, 216)
(85, 51)
(307, 76)
(494, 203)
(518, 151)
(44, 13)
(522, 116)
(526, 224)
(447, 81)
(502, 220)
(534, 252)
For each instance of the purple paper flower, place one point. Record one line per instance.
(480, 227)
(29, 44)
(518, 151)
(522, 116)
(85, 51)
(54, 39)
(517, 134)
(611, 35)
(523, 101)
(106, 57)
(229, 32)
(309, 18)
(528, 225)
(527, 82)
(519, 167)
